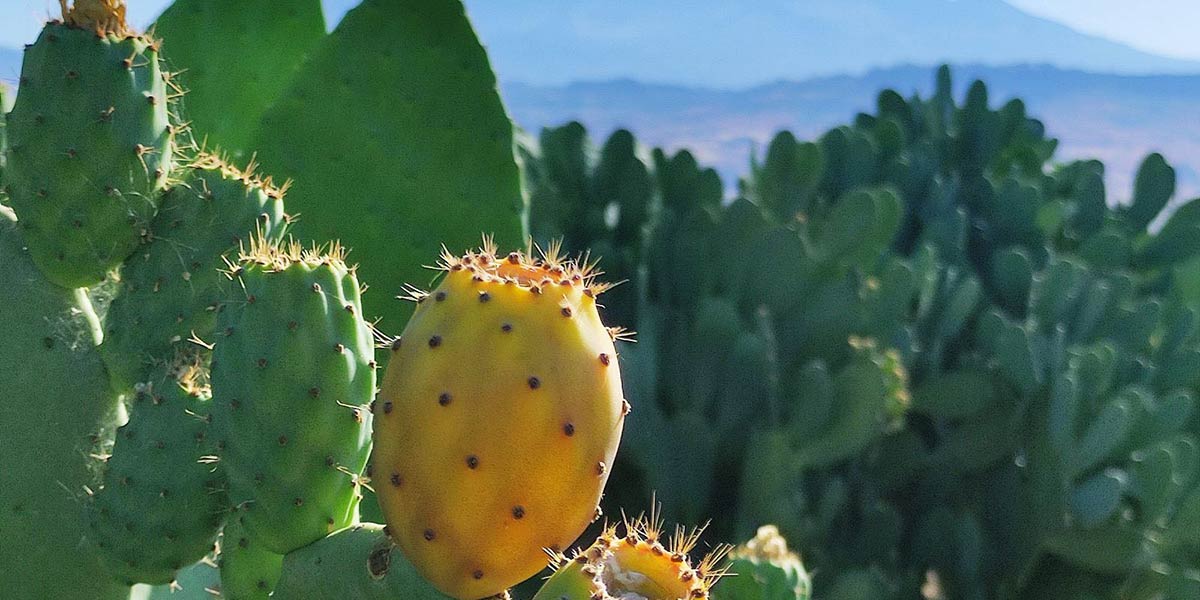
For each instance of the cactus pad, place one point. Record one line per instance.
(765, 570)
(293, 373)
(162, 503)
(499, 419)
(90, 143)
(248, 571)
(170, 287)
(56, 410)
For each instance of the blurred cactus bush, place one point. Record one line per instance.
(915, 357)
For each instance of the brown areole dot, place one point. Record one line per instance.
(569, 429)
(439, 296)
(478, 574)
(435, 341)
(444, 398)
(396, 479)
(534, 383)
(387, 407)
(472, 462)
(518, 512)
(506, 328)
(429, 535)
(566, 311)
(283, 440)
(604, 359)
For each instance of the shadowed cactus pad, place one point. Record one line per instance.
(638, 565)
(293, 373)
(171, 289)
(356, 563)
(248, 571)
(764, 569)
(498, 420)
(90, 143)
(57, 409)
(161, 504)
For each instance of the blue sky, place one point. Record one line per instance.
(1166, 27)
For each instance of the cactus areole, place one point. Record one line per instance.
(499, 418)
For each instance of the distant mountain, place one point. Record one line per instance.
(733, 43)
(1118, 119)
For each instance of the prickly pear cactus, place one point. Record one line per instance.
(357, 563)
(635, 564)
(170, 288)
(248, 571)
(57, 410)
(477, 469)
(162, 501)
(764, 569)
(293, 375)
(90, 142)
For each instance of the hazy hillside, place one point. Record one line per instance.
(1115, 118)
(732, 44)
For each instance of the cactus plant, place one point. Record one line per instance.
(514, 459)
(170, 290)
(248, 570)
(293, 373)
(58, 410)
(90, 142)
(763, 567)
(161, 504)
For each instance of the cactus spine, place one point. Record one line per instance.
(635, 564)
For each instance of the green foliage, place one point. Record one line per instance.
(57, 411)
(397, 142)
(89, 149)
(235, 58)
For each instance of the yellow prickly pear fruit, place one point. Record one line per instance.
(499, 417)
(637, 564)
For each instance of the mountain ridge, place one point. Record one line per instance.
(715, 43)
(1115, 118)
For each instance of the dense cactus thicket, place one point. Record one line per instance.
(939, 362)
(933, 356)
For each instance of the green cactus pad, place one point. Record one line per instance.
(170, 288)
(57, 410)
(89, 149)
(398, 143)
(358, 563)
(234, 58)
(162, 502)
(292, 379)
(764, 569)
(248, 571)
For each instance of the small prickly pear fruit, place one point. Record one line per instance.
(765, 570)
(170, 287)
(636, 564)
(162, 502)
(498, 420)
(359, 563)
(248, 571)
(90, 143)
(293, 376)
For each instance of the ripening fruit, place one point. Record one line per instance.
(498, 420)
(637, 564)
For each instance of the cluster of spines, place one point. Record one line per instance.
(646, 533)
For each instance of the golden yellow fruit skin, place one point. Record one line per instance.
(499, 417)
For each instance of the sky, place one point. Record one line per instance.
(1166, 27)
